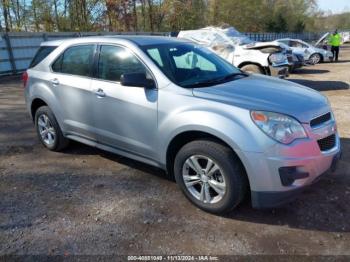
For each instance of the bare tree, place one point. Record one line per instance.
(5, 11)
(57, 20)
(35, 14)
(134, 9)
(150, 14)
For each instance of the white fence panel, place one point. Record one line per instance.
(17, 49)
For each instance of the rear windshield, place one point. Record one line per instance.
(40, 55)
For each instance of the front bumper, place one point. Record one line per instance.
(271, 199)
(304, 156)
(279, 71)
(328, 58)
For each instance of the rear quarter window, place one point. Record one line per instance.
(41, 54)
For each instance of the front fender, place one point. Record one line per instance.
(238, 132)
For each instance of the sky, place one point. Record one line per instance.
(336, 6)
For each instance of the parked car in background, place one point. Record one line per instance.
(266, 58)
(345, 36)
(312, 54)
(176, 105)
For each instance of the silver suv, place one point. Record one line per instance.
(220, 132)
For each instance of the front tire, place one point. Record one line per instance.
(315, 59)
(210, 175)
(48, 130)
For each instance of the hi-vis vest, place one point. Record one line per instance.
(335, 40)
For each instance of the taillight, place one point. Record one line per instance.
(25, 78)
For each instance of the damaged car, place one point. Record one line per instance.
(295, 58)
(312, 54)
(266, 58)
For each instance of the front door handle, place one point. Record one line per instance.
(55, 82)
(99, 92)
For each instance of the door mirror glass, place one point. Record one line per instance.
(137, 79)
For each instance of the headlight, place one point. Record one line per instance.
(281, 128)
(277, 58)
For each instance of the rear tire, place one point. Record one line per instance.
(48, 130)
(217, 189)
(252, 69)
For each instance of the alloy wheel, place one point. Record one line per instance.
(204, 179)
(315, 59)
(46, 130)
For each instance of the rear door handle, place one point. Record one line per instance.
(55, 82)
(99, 92)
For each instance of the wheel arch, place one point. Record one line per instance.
(322, 57)
(35, 105)
(184, 138)
(253, 63)
(41, 95)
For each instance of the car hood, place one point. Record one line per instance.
(269, 94)
(323, 37)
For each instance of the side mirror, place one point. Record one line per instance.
(136, 79)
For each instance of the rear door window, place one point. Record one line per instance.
(41, 54)
(297, 44)
(76, 60)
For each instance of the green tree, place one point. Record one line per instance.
(299, 26)
(166, 15)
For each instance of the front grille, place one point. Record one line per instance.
(327, 143)
(320, 120)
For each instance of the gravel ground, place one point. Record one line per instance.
(86, 201)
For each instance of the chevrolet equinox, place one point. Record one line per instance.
(220, 132)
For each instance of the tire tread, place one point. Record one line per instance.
(232, 161)
(62, 142)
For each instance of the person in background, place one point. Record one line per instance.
(335, 41)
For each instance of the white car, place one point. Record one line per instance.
(345, 36)
(312, 54)
(266, 58)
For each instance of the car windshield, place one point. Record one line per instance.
(190, 65)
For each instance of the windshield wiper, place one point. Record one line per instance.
(216, 81)
(232, 76)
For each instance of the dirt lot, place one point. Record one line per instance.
(86, 201)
